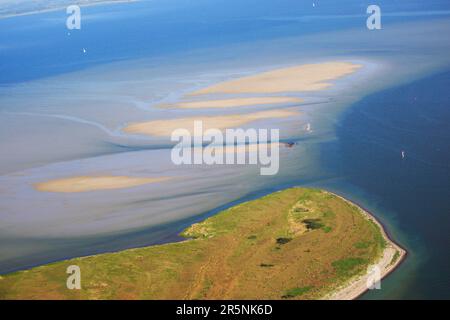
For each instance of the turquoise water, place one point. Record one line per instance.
(62, 110)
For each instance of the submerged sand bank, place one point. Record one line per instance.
(308, 77)
(236, 102)
(164, 128)
(92, 183)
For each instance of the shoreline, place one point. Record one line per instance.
(357, 287)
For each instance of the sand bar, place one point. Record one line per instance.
(165, 128)
(92, 183)
(237, 102)
(308, 77)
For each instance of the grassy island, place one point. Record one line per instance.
(293, 244)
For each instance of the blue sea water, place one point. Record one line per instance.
(37, 46)
(416, 189)
(363, 162)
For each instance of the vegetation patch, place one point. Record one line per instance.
(283, 240)
(348, 266)
(312, 224)
(362, 244)
(395, 257)
(378, 237)
(301, 210)
(295, 292)
(266, 265)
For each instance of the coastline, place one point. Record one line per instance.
(358, 286)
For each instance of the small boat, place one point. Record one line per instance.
(403, 154)
(308, 127)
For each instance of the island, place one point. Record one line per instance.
(297, 243)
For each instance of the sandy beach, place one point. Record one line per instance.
(92, 183)
(392, 257)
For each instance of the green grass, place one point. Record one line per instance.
(348, 266)
(313, 224)
(362, 245)
(295, 292)
(378, 237)
(395, 258)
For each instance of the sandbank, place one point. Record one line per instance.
(308, 77)
(165, 128)
(92, 183)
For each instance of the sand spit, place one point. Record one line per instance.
(93, 183)
(308, 77)
(164, 128)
